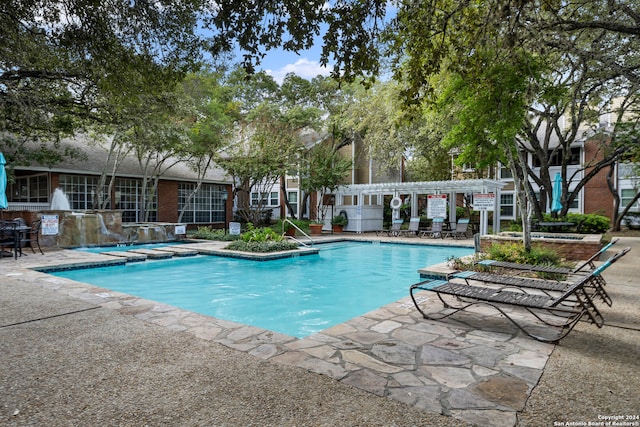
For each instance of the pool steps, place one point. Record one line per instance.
(134, 255)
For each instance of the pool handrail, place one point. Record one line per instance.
(287, 220)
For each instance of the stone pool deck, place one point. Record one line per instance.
(75, 354)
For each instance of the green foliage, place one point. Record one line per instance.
(339, 220)
(322, 169)
(208, 233)
(302, 224)
(266, 246)
(590, 223)
(514, 252)
(69, 65)
(262, 234)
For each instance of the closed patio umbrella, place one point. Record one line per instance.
(4, 204)
(556, 205)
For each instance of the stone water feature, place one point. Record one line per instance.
(99, 227)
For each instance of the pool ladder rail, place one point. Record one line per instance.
(286, 220)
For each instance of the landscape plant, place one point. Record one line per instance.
(209, 233)
(262, 239)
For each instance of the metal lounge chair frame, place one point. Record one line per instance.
(596, 283)
(414, 227)
(461, 229)
(515, 267)
(560, 313)
(435, 230)
(394, 230)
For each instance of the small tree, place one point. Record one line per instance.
(323, 170)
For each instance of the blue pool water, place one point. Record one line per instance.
(295, 296)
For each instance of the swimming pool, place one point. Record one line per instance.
(125, 247)
(295, 296)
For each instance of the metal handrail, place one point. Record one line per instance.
(297, 228)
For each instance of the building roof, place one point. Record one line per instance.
(96, 155)
(459, 186)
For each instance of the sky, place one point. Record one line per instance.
(306, 64)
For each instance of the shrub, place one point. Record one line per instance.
(302, 224)
(339, 220)
(266, 246)
(590, 223)
(632, 219)
(208, 233)
(514, 252)
(262, 234)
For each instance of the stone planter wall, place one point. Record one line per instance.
(573, 247)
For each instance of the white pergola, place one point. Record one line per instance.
(413, 189)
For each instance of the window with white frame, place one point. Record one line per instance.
(292, 196)
(626, 195)
(505, 172)
(507, 205)
(206, 206)
(80, 190)
(268, 199)
(128, 198)
(30, 189)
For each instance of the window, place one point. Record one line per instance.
(507, 206)
(274, 200)
(29, 189)
(80, 190)
(292, 196)
(468, 167)
(505, 172)
(268, 199)
(555, 159)
(128, 198)
(206, 206)
(626, 195)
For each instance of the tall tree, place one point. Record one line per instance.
(268, 139)
(64, 65)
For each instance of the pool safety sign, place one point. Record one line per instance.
(484, 202)
(234, 228)
(49, 225)
(436, 206)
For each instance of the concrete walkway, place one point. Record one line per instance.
(72, 358)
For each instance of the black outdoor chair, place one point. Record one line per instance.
(32, 237)
(8, 239)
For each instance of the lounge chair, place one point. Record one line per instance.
(414, 227)
(461, 229)
(515, 267)
(394, 230)
(435, 230)
(559, 313)
(596, 283)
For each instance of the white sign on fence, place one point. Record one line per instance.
(436, 206)
(180, 229)
(484, 202)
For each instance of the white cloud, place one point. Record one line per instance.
(302, 67)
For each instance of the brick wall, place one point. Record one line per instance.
(597, 197)
(167, 201)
